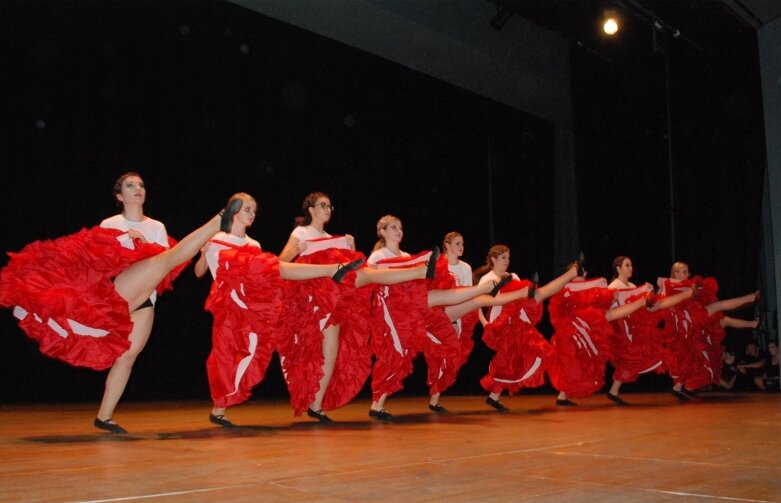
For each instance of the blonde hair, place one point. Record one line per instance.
(383, 223)
(677, 265)
(449, 237)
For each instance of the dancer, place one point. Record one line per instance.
(417, 316)
(522, 354)
(323, 340)
(637, 341)
(580, 315)
(245, 298)
(453, 247)
(695, 349)
(76, 295)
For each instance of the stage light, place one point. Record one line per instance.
(610, 26)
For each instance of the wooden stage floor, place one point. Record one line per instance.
(723, 447)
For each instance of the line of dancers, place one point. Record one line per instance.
(337, 318)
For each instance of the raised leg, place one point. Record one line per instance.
(730, 304)
(617, 313)
(136, 283)
(553, 287)
(298, 272)
(369, 275)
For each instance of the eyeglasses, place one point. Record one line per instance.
(325, 206)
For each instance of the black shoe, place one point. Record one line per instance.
(438, 409)
(319, 415)
(496, 404)
(343, 269)
(221, 421)
(680, 396)
(617, 399)
(226, 215)
(581, 262)
(498, 285)
(431, 266)
(382, 415)
(690, 393)
(565, 402)
(109, 426)
(535, 284)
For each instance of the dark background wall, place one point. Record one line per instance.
(206, 98)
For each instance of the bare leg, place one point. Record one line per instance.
(120, 371)
(379, 404)
(295, 271)
(136, 283)
(459, 310)
(453, 296)
(617, 313)
(330, 352)
(670, 301)
(730, 304)
(369, 275)
(434, 400)
(553, 287)
(736, 323)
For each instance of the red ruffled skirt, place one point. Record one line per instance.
(637, 344)
(245, 300)
(62, 292)
(522, 353)
(581, 340)
(310, 307)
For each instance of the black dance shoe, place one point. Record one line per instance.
(535, 285)
(221, 420)
(565, 402)
(226, 215)
(496, 404)
(343, 269)
(382, 415)
(109, 426)
(498, 285)
(431, 265)
(438, 409)
(617, 399)
(319, 415)
(680, 396)
(581, 262)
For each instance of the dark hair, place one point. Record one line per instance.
(310, 201)
(493, 252)
(118, 188)
(617, 262)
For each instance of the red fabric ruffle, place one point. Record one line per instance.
(522, 353)
(243, 337)
(71, 278)
(581, 340)
(637, 343)
(314, 305)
